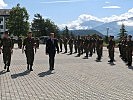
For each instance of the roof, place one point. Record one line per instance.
(5, 12)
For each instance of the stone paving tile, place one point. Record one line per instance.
(74, 78)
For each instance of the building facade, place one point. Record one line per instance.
(4, 14)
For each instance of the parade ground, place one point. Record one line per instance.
(74, 78)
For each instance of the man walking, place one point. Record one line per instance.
(51, 46)
(6, 43)
(29, 45)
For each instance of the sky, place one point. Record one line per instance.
(67, 12)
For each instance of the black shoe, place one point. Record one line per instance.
(31, 69)
(27, 67)
(5, 67)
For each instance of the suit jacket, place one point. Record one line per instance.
(52, 46)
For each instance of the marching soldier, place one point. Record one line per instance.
(65, 41)
(124, 49)
(99, 48)
(111, 49)
(29, 45)
(129, 50)
(6, 43)
(86, 45)
(71, 45)
(91, 46)
(79, 42)
(75, 45)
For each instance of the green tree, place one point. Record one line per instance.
(123, 31)
(42, 27)
(38, 26)
(18, 21)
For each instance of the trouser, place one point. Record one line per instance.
(129, 57)
(79, 51)
(30, 57)
(61, 47)
(99, 53)
(51, 60)
(111, 55)
(75, 47)
(65, 46)
(91, 51)
(7, 58)
(71, 48)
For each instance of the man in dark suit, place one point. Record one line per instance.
(51, 46)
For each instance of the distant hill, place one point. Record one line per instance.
(87, 32)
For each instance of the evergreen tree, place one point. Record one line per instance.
(123, 31)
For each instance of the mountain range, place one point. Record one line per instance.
(113, 23)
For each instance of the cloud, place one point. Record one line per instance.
(127, 23)
(111, 7)
(2, 4)
(107, 2)
(78, 24)
(63, 1)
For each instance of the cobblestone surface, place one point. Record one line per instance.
(74, 78)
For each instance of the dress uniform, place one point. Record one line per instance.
(29, 45)
(6, 43)
(60, 42)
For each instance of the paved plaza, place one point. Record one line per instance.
(74, 78)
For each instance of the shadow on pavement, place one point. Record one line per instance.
(2, 72)
(49, 72)
(20, 74)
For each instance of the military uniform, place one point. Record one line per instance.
(91, 46)
(111, 48)
(129, 51)
(75, 45)
(86, 44)
(29, 44)
(99, 48)
(6, 43)
(65, 41)
(71, 45)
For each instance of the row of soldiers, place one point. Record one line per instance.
(126, 48)
(83, 44)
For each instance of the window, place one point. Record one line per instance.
(1, 26)
(1, 19)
